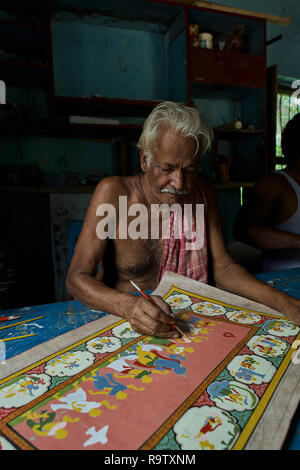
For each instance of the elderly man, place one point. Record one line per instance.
(171, 145)
(271, 219)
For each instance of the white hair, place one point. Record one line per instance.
(184, 120)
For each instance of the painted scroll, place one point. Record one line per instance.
(116, 390)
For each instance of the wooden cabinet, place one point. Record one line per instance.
(229, 85)
(227, 68)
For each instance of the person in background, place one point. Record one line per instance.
(271, 219)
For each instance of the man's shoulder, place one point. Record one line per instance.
(111, 187)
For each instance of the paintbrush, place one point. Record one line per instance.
(10, 317)
(20, 323)
(17, 337)
(152, 301)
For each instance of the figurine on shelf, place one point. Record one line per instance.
(206, 40)
(235, 42)
(194, 34)
(223, 169)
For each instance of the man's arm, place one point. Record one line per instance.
(84, 286)
(234, 278)
(253, 224)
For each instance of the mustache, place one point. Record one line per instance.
(177, 192)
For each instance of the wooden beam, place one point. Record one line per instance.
(183, 2)
(216, 6)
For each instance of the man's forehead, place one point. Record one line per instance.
(174, 161)
(170, 145)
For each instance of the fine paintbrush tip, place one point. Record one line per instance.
(135, 285)
(180, 331)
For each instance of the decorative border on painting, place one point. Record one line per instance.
(265, 399)
(263, 402)
(174, 288)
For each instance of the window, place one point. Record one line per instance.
(287, 106)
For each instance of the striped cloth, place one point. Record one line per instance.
(192, 263)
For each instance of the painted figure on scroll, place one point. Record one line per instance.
(166, 218)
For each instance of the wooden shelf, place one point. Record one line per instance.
(238, 131)
(235, 134)
(22, 38)
(90, 189)
(22, 25)
(49, 189)
(24, 74)
(34, 8)
(103, 106)
(234, 184)
(106, 132)
(148, 15)
(209, 66)
(220, 91)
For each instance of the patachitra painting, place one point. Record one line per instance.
(116, 389)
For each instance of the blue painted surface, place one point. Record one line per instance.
(177, 75)
(287, 281)
(113, 62)
(60, 318)
(52, 156)
(293, 440)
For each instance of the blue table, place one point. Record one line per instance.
(289, 282)
(61, 317)
(58, 318)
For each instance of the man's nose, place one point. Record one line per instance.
(178, 179)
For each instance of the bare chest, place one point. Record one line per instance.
(138, 257)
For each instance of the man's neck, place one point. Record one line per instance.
(146, 191)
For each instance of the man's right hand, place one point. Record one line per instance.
(149, 319)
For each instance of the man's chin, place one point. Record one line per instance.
(169, 197)
(173, 197)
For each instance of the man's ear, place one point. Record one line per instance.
(143, 161)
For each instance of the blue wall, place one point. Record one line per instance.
(59, 156)
(114, 62)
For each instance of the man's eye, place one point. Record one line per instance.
(190, 170)
(166, 170)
